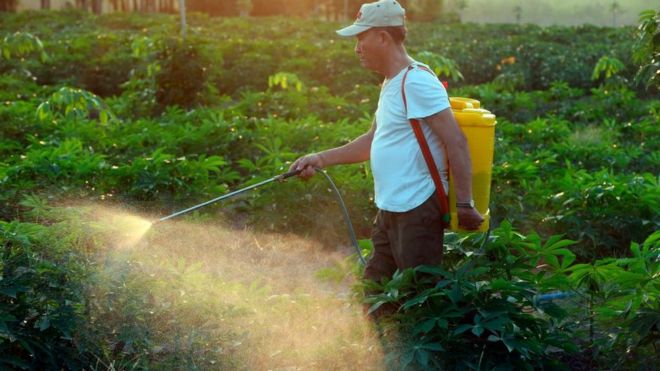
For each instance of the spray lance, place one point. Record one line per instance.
(279, 178)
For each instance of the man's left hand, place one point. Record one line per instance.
(469, 218)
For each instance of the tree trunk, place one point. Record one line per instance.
(45, 4)
(97, 6)
(8, 5)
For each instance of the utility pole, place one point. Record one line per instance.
(615, 8)
(518, 12)
(182, 11)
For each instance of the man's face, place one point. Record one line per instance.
(369, 48)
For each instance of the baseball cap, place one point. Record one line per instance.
(381, 13)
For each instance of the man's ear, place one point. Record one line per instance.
(384, 37)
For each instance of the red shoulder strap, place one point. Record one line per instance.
(426, 152)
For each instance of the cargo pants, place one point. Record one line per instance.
(406, 239)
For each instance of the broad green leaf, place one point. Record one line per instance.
(462, 328)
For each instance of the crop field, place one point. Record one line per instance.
(108, 123)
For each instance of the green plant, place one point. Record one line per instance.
(481, 309)
(181, 80)
(22, 44)
(41, 299)
(441, 66)
(16, 49)
(622, 297)
(284, 79)
(607, 68)
(646, 52)
(72, 103)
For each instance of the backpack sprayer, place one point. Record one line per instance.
(280, 178)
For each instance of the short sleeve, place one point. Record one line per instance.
(425, 94)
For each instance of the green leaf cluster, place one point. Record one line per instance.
(506, 303)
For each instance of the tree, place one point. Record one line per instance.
(299, 8)
(244, 7)
(646, 50)
(166, 6)
(8, 5)
(214, 7)
(97, 6)
(45, 4)
(82, 4)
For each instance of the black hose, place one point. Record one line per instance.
(347, 219)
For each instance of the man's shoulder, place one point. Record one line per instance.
(422, 73)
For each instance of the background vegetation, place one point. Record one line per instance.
(116, 109)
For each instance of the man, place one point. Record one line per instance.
(408, 229)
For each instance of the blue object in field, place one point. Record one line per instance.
(554, 295)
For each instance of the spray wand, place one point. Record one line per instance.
(279, 178)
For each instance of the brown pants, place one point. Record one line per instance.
(405, 240)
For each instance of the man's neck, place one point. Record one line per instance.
(399, 60)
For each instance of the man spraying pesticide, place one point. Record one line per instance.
(413, 141)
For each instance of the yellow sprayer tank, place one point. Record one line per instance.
(478, 125)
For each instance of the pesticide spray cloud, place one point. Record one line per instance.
(252, 298)
(123, 230)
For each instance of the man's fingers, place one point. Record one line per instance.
(470, 220)
(308, 172)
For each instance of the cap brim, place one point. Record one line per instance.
(352, 30)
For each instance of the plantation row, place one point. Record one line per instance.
(576, 158)
(98, 53)
(160, 125)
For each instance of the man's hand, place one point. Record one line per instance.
(469, 218)
(308, 164)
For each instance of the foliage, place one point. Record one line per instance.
(440, 65)
(22, 44)
(248, 53)
(18, 47)
(484, 309)
(607, 67)
(621, 296)
(182, 77)
(57, 310)
(283, 79)
(487, 306)
(74, 104)
(121, 110)
(41, 298)
(646, 52)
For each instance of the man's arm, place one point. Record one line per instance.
(444, 125)
(358, 150)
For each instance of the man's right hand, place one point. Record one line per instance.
(469, 218)
(308, 164)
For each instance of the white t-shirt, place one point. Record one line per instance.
(401, 178)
